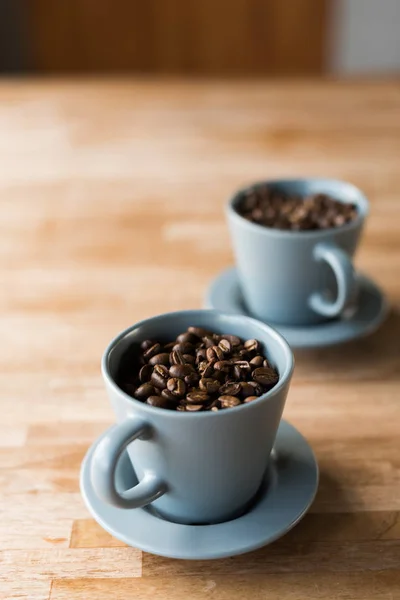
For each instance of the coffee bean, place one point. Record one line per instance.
(223, 365)
(160, 376)
(208, 372)
(210, 386)
(233, 339)
(208, 341)
(158, 401)
(177, 387)
(144, 391)
(250, 399)
(180, 370)
(229, 401)
(214, 353)
(183, 348)
(187, 337)
(265, 376)
(159, 359)
(230, 389)
(198, 331)
(192, 379)
(243, 365)
(201, 355)
(257, 361)
(152, 351)
(197, 397)
(189, 359)
(193, 407)
(145, 373)
(225, 346)
(169, 396)
(146, 344)
(280, 211)
(176, 358)
(252, 346)
(168, 347)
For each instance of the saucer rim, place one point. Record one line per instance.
(305, 337)
(285, 428)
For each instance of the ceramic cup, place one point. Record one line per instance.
(298, 277)
(194, 468)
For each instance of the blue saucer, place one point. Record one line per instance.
(289, 487)
(225, 294)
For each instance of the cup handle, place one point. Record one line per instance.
(104, 462)
(347, 286)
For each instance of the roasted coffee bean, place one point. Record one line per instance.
(265, 376)
(145, 373)
(198, 331)
(257, 361)
(146, 344)
(233, 339)
(208, 341)
(210, 386)
(177, 387)
(230, 389)
(214, 353)
(197, 397)
(252, 346)
(169, 396)
(223, 365)
(144, 391)
(229, 401)
(158, 401)
(193, 407)
(225, 346)
(192, 379)
(250, 388)
(168, 347)
(189, 359)
(250, 399)
(152, 351)
(187, 337)
(176, 358)
(285, 211)
(207, 369)
(180, 370)
(183, 348)
(160, 376)
(243, 365)
(159, 359)
(203, 371)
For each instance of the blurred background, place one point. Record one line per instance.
(201, 37)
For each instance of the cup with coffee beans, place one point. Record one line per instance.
(294, 242)
(198, 397)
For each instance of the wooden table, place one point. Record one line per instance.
(112, 198)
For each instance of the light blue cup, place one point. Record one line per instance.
(193, 467)
(298, 278)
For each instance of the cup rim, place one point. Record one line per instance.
(361, 201)
(270, 331)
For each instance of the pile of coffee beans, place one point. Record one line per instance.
(198, 371)
(271, 208)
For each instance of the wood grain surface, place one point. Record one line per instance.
(225, 38)
(112, 197)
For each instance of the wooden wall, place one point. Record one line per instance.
(193, 37)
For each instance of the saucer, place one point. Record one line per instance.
(287, 492)
(224, 294)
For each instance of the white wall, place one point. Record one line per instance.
(365, 37)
